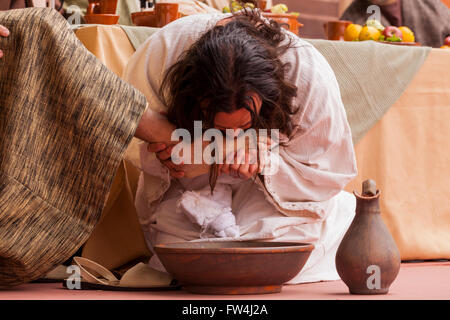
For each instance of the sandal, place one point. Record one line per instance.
(138, 278)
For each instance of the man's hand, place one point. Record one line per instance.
(240, 162)
(163, 153)
(3, 33)
(154, 127)
(246, 162)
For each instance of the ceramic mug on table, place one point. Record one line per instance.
(166, 13)
(262, 4)
(102, 7)
(335, 30)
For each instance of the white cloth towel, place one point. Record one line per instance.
(212, 212)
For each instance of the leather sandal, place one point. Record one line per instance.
(138, 278)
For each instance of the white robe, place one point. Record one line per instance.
(303, 202)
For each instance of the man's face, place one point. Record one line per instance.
(382, 2)
(240, 119)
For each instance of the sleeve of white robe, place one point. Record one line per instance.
(319, 160)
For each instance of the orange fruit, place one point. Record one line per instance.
(408, 35)
(352, 32)
(445, 47)
(369, 33)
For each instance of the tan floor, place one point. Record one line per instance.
(416, 281)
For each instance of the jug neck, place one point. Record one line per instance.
(367, 204)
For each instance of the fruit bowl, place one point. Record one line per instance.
(411, 44)
(233, 267)
(374, 30)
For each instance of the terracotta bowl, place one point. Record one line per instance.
(289, 21)
(145, 19)
(233, 267)
(101, 18)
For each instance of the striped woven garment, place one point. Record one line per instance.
(65, 122)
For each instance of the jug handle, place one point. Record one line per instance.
(91, 7)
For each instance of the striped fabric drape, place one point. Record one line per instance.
(65, 122)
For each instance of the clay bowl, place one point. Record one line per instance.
(289, 21)
(233, 267)
(100, 18)
(145, 19)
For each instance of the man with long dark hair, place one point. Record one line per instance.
(238, 72)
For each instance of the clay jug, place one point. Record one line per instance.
(368, 259)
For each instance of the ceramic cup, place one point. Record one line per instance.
(262, 4)
(102, 7)
(335, 30)
(166, 13)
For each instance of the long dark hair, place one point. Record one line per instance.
(219, 70)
